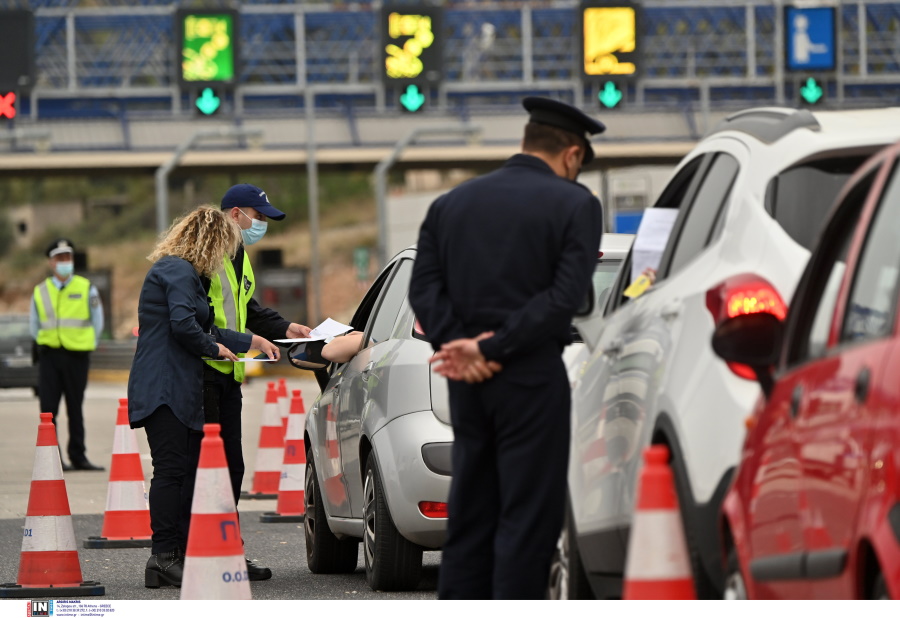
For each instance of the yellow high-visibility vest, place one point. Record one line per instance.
(230, 305)
(65, 315)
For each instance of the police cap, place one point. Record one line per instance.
(60, 245)
(563, 116)
(250, 196)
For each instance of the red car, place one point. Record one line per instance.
(814, 509)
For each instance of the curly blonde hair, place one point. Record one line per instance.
(202, 237)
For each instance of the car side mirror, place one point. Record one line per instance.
(753, 340)
(587, 304)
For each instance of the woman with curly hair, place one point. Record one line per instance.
(165, 386)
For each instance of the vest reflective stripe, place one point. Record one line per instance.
(229, 299)
(64, 321)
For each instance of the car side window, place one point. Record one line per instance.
(673, 196)
(699, 223)
(814, 311)
(872, 300)
(385, 315)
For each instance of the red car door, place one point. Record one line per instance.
(835, 429)
(772, 524)
(802, 403)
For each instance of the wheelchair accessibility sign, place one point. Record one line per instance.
(810, 38)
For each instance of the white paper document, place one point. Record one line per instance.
(650, 241)
(328, 328)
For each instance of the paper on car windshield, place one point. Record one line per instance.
(650, 241)
(328, 328)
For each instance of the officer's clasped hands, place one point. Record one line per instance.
(461, 359)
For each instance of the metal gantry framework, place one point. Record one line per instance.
(715, 53)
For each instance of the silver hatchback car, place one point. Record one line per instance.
(378, 443)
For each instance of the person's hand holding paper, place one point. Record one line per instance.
(649, 245)
(328, 328)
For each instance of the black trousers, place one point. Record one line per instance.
(171, 444)
(61, 373)
(229, 418)
(507, 495)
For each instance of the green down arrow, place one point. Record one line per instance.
(812, 91)
(412, 99)
(208, 102)
(610, 95)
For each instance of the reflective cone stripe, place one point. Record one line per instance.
(293, 469)
(657, 566)
(214, 565)
(127, 514)
(48, 557)
(267, 472)
(284, 402)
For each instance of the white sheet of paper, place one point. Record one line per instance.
(650, 241)
(328, 328)
(260, 360)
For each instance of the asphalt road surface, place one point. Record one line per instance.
(280, 546)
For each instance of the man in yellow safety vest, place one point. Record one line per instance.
(66, 323)
(231, 295)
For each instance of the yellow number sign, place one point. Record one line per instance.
(608, 33)
(405, 62)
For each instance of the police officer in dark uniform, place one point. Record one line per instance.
(503, 262)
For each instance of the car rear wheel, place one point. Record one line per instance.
(568, 579)
(325, 553)
(392, 562)
(735, 589)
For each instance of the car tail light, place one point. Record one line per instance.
(433, 510)
(741, 295)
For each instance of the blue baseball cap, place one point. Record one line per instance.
(249, 196)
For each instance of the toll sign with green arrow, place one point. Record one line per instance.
(412, 99)
(208, 102)
(811, 92)
(610, 95)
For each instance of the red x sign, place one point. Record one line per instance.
(7, 105)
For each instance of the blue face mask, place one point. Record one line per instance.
(65, 269)
(255, 232)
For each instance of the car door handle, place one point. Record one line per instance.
(861, 390)
(796, 400)
(366, 373)
(614, 348)
(670, 310)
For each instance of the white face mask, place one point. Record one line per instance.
(65, 269)
(255, 232)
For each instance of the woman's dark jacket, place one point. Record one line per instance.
(176, 333)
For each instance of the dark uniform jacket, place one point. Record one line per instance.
(176, 330)
(511, 251)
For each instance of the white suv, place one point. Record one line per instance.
(751, 198)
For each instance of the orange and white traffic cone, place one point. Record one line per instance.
(214, 564)
(291, 507)
(284, 402)
(658, 565)
(267, 472)
(126, 522)
(48, 564)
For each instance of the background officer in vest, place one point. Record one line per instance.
(66, 323)
(231, 294)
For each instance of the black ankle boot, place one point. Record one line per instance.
(164, 569)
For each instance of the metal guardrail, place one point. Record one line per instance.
(113, 355)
